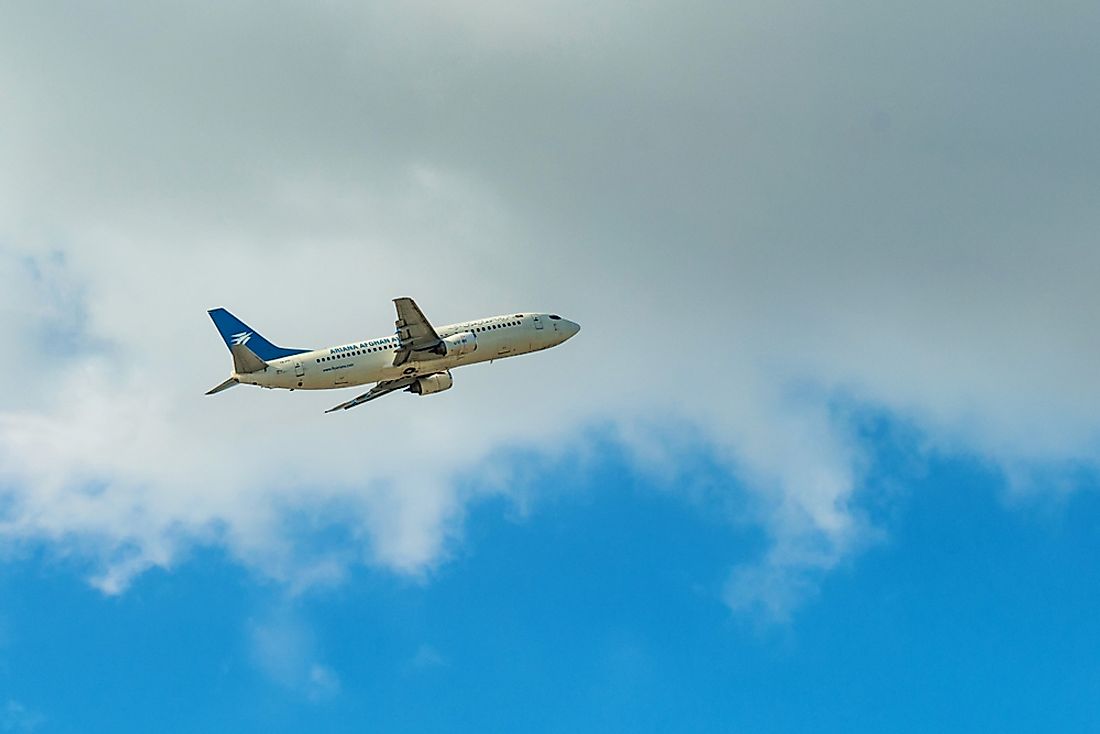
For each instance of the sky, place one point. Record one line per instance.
(825, 453)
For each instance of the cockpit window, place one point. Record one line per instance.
(555, 317)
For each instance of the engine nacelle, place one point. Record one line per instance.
(432, 384)
(458, 344)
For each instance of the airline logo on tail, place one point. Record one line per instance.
(241, 338)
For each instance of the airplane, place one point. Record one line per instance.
(418, 358)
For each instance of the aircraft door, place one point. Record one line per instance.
(538, 321)
(299, 370)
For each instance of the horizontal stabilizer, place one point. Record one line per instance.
(245, 360)
(224, 386)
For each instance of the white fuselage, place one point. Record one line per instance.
(372, 360)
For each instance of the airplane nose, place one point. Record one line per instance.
(571, 328)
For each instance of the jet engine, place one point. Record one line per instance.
(432, 383)
(458, 344)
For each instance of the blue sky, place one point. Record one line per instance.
(824, 455)
(598, 610)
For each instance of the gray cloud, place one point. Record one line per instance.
(751, 208)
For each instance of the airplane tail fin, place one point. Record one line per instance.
(236, 333)
(251, 352)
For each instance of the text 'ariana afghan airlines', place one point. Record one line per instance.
(418, 358)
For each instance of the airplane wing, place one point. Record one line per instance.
(382, 388)
(415, 333)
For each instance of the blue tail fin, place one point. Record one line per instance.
(234, 331)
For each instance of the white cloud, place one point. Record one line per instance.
(284, 650)
(750, 210)
(427, 657)
(18, 719)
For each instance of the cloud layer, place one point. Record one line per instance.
(751, 209)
